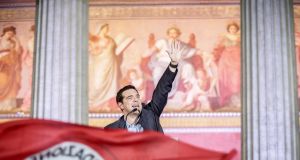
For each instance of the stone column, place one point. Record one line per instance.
(270, 112)
(61, 61)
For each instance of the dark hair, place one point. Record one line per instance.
(233, 24)
(120, 97)
(7, 29)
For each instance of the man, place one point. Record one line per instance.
(138, 117)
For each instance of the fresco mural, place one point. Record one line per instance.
(135, 51)
(16, 57)
(127, 46)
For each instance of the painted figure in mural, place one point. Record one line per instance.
(138, 117)
(147, 73)
(26, 73)
(135, 78)
(192, 40)
(10, 67)
(208, 82)
(105, 58)
(198, 90)
(160, 59)
(227, 56)
(103, 67)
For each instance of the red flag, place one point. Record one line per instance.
(45, 139)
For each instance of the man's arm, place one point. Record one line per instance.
(164, 86)
(160, 94)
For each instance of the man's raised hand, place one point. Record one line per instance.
(175, 51)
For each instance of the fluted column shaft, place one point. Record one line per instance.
(61, 59)
(270, 112)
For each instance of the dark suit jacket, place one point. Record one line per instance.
(149, 117)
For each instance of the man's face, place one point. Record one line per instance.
(131, 100)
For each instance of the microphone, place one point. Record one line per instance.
(135, 109)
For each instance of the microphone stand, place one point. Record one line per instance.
(136, 119)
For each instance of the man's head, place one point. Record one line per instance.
(128, 98)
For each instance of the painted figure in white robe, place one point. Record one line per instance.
(103, 68)
(105, 58)
(160, 59)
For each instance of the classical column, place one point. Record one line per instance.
(61, 59)
(270, 112)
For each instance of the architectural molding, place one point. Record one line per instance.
(164, 11)
(139, 12)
